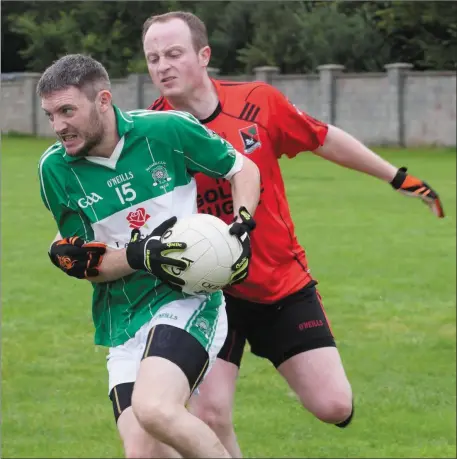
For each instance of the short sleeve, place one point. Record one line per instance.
(292, 130)
(205, 151)
(69, 221)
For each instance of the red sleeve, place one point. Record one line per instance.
(291, 130)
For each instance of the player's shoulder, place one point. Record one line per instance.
(145, 120)
(246, 88)
(53, 158)
(246, 97)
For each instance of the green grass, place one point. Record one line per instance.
(387, 275)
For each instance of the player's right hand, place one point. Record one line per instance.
(150, 254)
(242, 230)
(77, 258)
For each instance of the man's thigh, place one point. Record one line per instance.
(188, 333)
(293, 325)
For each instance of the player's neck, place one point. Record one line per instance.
(110, 138)
(201, 103)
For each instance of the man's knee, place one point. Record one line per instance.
(154, 416)
(215, 413)
(335, 410)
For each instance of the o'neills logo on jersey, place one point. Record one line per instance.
(250, 137)
(159, 174)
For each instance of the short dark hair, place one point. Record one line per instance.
(83, 72)
(197, 27)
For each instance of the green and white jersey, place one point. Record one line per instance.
(147, 179)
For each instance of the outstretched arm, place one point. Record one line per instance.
(343, 149)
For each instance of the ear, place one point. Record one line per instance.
(104, 100)
(204, 56)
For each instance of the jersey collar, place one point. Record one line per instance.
(124, 124)
(220, 94)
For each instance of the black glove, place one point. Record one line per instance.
(150, 254)
(241, 230)
(411, 186)
(77, 258)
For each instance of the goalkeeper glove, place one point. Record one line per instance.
(412, 186)
(242, 230)
(77, 258)
(150, 254)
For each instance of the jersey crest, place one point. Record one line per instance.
(250, 138)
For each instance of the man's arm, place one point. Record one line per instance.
(114, 266)
(343, 149)
(246, 187)
(296, 131)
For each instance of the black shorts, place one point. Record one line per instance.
(278, 331)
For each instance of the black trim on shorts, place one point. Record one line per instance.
(233, 348)
(181, 348)
(121, 396)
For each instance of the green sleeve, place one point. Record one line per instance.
(205, 151)
(70, 221)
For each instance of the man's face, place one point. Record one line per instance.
(174, 65)
(75, 119)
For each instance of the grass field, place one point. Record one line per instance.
(387, 274)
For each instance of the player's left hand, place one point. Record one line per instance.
(77, 258)
(412, 186)
(242, 230)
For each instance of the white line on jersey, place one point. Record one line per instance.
(84, 191)
(51, 150)
(150, 151)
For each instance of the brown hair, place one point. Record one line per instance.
(196, 25)
(78, 70)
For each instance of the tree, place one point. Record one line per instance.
(296, 36)
(299, 36)
(423, 33)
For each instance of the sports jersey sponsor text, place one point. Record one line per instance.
(217, 201)
(89, 200)
(310, 324)
(120, 179)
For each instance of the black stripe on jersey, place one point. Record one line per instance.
(248, 114)
(246, 106)
(254, 115)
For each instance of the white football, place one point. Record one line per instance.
(211, 251)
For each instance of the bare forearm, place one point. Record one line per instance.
(343, 149)
(113, 267)
(246, 187)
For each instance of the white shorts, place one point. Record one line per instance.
(123, 362)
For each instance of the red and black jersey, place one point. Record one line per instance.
(261, 123)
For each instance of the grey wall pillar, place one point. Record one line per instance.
(266, 73)
(396, 73)
(327, 76)
(30, 82)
